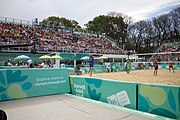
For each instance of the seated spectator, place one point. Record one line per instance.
(82, 64)
(35, 65)
(108, 68)
(6, 63)
(79, 71)
(29, 63)
(9, 63)
(62, 65)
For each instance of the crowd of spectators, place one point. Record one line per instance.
(15, 34)
(170, 48)
(29, 64)
(48, 40)
(171, 56)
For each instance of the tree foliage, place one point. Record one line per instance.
(54, 21)
(146, 36)
(142, 36)
(112, 25)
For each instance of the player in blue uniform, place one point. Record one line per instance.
(91, 64)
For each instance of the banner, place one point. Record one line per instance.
(97, 69)
(25, 83)
(113, 92)
(116, 67)
(163, 100)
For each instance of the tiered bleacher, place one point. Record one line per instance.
(172, 50)
(57, 40)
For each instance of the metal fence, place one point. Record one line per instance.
(43, 49)
(17, 21)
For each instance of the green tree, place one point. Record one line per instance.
(112, 25)
(54, 21)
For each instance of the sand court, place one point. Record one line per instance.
(164, 76)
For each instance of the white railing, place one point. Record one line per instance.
(45, 49)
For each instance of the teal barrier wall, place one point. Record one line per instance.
(161, 100)
(84, 69)
(72, 56)
(108, 91)
(12, 67)
(25, 83)
(116, 67)
(97, 69)
(163, 66)
(166, 66)
(177, 66)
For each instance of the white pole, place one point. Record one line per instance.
(57, 61)
(75, 61)
(57, 64)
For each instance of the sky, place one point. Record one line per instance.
(84, 10)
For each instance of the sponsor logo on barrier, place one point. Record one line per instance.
(119, 99)
(49, 81)
(79, 89)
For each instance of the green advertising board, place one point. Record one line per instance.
(163, 100)
(116, 67)
(163, 66)
(23, 83)
(177, 66)
(97, 69)
(108, 91)
(73, 56)
(100, 69)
